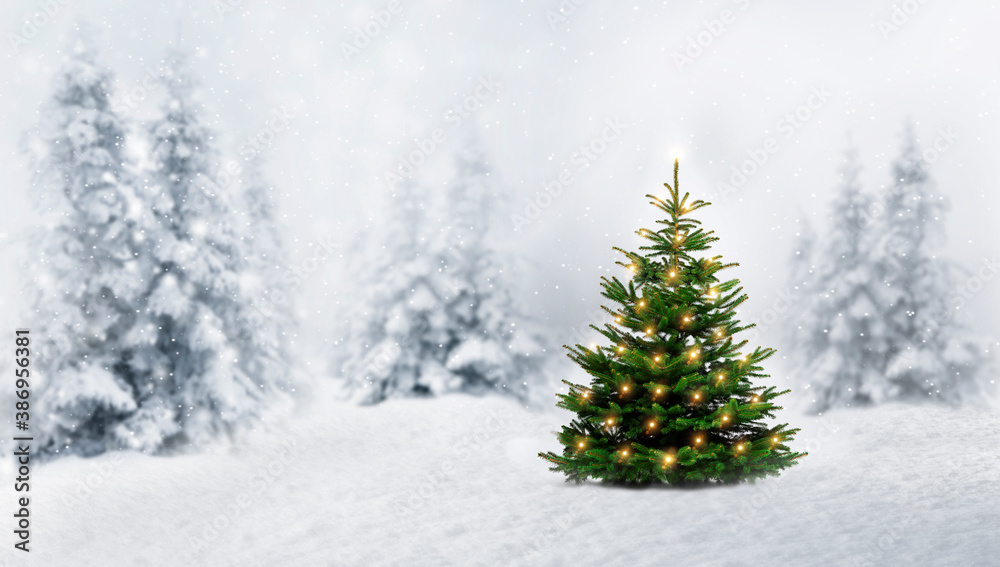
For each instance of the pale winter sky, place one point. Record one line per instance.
(542, 83)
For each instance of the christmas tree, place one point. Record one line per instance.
(672, 398)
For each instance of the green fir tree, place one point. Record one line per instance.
(672, 398)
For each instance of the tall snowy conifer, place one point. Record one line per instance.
(201, 379)
(267, 316)
(930, 353)
(840, 342)
(91, 272)
(440, 316)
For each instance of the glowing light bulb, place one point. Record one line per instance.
(625, 388)
(687, 318)
(672, 274)
(697, 439)
(725, 418)
(652, 424)
(633, 268)
(581, 444)
(618, 319)
(697, 396)
(668, 458)
(625, 451)
(659, 391)
(656, 359)
(621, 348)
(649, 331)
(774, 440)
(756, 399)
(642, 304)
(739, 447)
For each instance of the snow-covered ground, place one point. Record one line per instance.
(456, 481)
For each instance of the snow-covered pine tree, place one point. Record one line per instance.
(199, 378)
(91, 273)
(930, 353)
(839, 343)
(441, 316)
(267, 320)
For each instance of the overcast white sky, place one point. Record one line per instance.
(559, 82)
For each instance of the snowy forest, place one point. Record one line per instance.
(292, 283)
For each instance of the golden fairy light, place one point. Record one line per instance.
(756, 399)
(633, 268)
(642, 303)
(656, 359)
(739, 447)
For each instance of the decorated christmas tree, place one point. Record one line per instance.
(672, 398)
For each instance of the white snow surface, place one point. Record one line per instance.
(456, 481)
